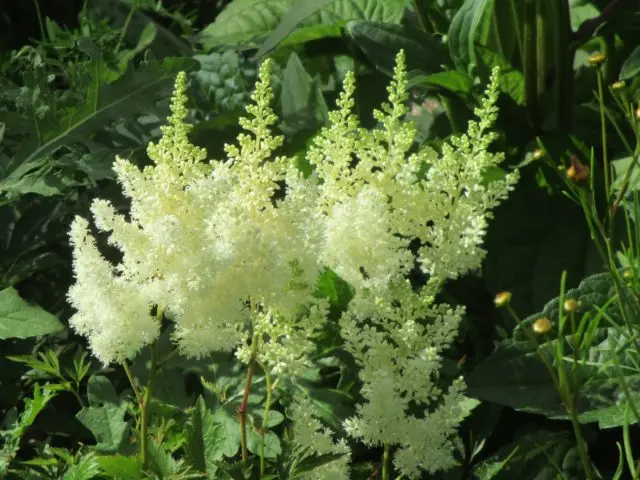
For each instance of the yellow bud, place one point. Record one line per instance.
(570, 305)
(538, 154)
(638, 113)
(542, 325)
(502, 299)
(597, 58)
(627, 275)
(618, 85)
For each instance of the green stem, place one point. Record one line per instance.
(265, 415)
(603, 126)
(132, 10)
(39, 15)
(242, 410)
(386, 457)
(136, 391)
(144, 405)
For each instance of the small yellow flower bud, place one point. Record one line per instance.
(597, 58)
(542, 325)
(502, 299)
(570, 305)
(618, 85)
(638, 113)
(627, 275)
(577, 172)
(538, 154)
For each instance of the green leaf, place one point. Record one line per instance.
(511, 79)
(105, 415)
(300, 10)
(470, 26)
(18, 319)
(531, 456)
(129, 95)
(515, 376)
(272, 446)
(381, 42)
(120, 467)
(86, 468)
(451, 81)
(631, 66)
(303, 105)
(247, 23)
(204, 440)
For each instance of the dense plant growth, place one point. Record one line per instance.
(329, 239)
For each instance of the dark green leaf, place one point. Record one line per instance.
(469, 27)
(120, 467)
(381, 42)
(204, 440)
(300, 10)
(631, 66)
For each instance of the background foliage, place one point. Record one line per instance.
(90, 80)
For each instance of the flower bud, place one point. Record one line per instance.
(542, 325)
(577, 172)
(570, 305)
(597, 58)
(627, 275)
(618, 85)
(538, 154)
(502, 299)
(638, 113)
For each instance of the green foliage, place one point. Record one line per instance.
(18, 319)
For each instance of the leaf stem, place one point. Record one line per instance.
(132, 10)
(144, 406)
(242, 410)
(265, 415)
(136, 390)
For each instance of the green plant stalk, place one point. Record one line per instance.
(242, 410)
(386, 461)
(39, 15)
(136, 391)
(265, 415)
(603, 127)
(529, 64)
(144, 405)
(132, 11)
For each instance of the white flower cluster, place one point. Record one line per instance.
(231, 251)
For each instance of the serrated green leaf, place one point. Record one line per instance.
(18, 319)
(86, 468)
(204, 440)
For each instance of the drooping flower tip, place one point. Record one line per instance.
(502, 299)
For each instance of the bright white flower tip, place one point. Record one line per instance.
(112, 313)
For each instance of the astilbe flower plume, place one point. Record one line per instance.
(388, 211)
(231, 251)
(208, 244)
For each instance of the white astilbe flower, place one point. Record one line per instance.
(389, 211)
(311, 437)
(111, 311)
(215, 244)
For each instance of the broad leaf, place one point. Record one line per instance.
(120, 467)
(631, 66)
(204, 440)
(381, 42)
(18, 319)
(246, 23)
